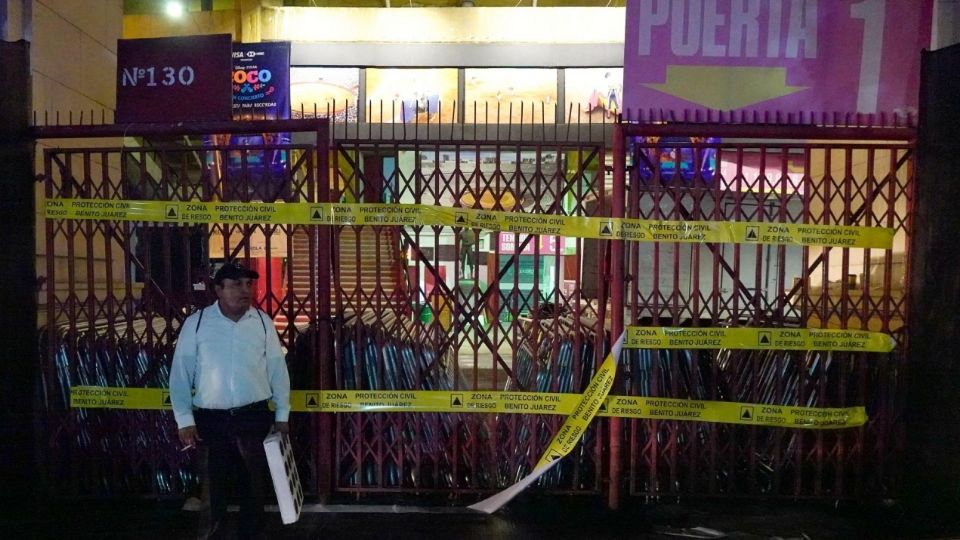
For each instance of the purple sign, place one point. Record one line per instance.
(775, 55)
(179, 79)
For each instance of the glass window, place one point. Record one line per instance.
(592, 94)
(510, 95)
(323, 89)
(411, 95)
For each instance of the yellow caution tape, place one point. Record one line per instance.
(725, 412)
(432, 401)
(366, 401)
(104, 397)
(567, 437)
(741, 233)
(793, 339)
(425, 215)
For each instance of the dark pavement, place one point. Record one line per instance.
(528, 517)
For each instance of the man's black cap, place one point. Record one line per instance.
(233, 270)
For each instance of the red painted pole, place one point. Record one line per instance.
(324, 431)
(617, 297)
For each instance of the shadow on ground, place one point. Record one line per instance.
(530, 517)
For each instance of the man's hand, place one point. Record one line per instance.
(281, 427)
(189, 436)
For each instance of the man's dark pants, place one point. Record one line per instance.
(225, 434)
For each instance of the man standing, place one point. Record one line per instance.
(467, 259)
(227, 366)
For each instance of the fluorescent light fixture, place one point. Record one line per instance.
(174, 9)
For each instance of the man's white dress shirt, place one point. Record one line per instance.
(229, 364)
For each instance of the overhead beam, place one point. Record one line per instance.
(468, 55)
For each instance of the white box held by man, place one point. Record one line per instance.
(283, 471)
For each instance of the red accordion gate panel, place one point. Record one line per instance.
(837, 182)
(116, 292)
(425, 307)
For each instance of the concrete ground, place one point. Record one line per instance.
(529, 517)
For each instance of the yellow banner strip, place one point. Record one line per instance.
(593, 398)
(111, 397)
(792, 339)
(425, 215)
(364, 401)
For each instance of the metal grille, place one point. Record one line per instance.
(117, 293)
(435, 308)
(501, 326)
(673, 284)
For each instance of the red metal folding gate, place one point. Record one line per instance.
(116, 292)
(840, 180)
(436, 308)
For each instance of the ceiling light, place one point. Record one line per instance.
(174, 9)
